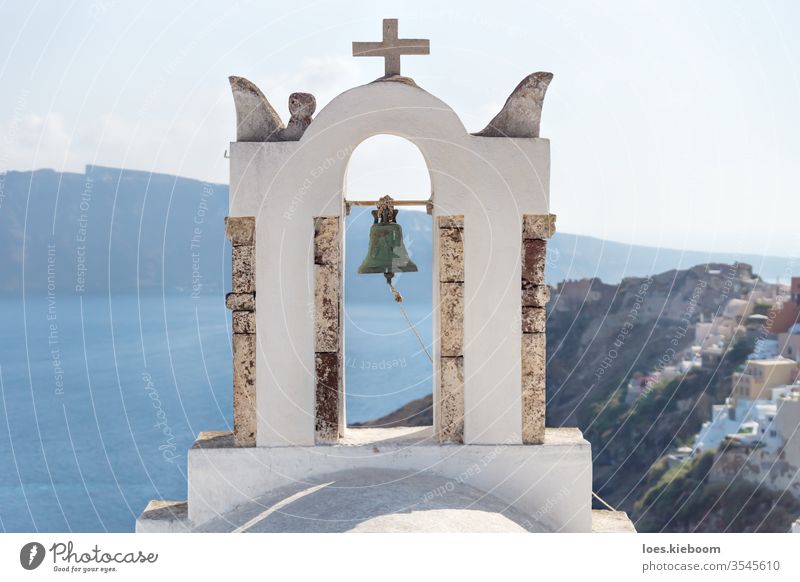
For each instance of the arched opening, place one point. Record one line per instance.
(388, 374)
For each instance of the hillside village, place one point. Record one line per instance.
(753, 434)
(686, 384)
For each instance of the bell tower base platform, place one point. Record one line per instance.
(396, 479)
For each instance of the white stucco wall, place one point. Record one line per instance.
(491, 181)
(551, 483)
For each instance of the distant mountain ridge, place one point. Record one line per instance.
(118, 231)
(572, 256)
(112, 231)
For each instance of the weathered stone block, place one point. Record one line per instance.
(533, 261)
(326, 327)
(533, 354)
(533, 320)
(539, 226)
(241, 230)
(326, 308)
(533, 417)
(241, 301)
(536, 296)
(451, 298)
(326, 240)
(244, 322)
(452, 221)
(244, 389)
(327, 397)
(451, 397)
(243, 268)
(451, 255)
(533, 387)
(450, 418)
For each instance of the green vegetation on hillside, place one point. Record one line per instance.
(682, 499)
(628, 441)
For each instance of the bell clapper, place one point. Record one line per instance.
(395, 292)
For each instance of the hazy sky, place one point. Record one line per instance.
(672, 123)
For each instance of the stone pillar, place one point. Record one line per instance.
(536, 229)
(241, 230)
(327, 329)
(450, 417)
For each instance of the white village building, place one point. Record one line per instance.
(757, 440)
(747, 422)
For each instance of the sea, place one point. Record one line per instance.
(101, 396)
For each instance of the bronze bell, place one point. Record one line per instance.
(387, 252)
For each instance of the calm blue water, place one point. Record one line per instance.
(100, 399)
(385, 366)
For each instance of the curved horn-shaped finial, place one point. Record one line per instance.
(256, 120)
(522, 113)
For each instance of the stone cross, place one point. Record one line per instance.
(392, 47)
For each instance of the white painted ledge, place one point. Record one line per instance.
(549, 483)
(164, 517)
